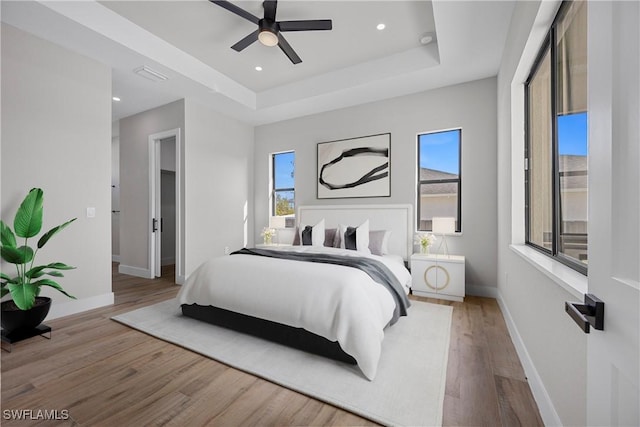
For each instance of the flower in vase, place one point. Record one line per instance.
(425, 240)
(267, 234)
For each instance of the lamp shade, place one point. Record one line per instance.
(444, 225)
(277, 222)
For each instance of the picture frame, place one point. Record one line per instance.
(354, 167)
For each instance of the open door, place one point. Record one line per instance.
(613, 365)
(161, 158)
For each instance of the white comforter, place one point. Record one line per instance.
(339, 303)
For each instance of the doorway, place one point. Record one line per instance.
(165, 203)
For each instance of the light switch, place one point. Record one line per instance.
(91, 212)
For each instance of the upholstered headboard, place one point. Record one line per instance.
(396, 218)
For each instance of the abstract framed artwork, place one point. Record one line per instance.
(356, 167)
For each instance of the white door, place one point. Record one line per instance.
(613, 365)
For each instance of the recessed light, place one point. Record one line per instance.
(258, 68)
(115, 98)
(427, 38)
(381, 26)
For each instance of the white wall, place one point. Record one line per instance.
(551, 346)
(56, 135)
(134, 182)
(471, 106)
(218, 182)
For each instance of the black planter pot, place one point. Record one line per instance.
(21, 320)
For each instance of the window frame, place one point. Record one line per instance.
(274, 190)
(549, 45)
(458, 180)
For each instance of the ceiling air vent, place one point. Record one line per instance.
(150, 74)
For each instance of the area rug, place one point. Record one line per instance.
(408, 389)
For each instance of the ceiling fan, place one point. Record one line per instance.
(268, 32)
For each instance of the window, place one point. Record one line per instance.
(439, 181)
(556, 141)
(283, 191)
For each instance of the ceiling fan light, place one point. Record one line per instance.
(268, 38)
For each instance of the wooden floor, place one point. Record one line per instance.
(105, 374)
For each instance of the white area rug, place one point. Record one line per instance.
(409, 387)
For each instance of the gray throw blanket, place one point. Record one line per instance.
(375, 269)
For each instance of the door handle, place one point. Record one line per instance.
(591, 313)
(161, 225)
(154, 225)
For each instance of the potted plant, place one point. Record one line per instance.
(27, 309)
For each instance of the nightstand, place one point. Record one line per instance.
(438, 276)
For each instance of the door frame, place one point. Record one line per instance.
(154, 186)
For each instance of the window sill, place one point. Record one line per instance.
(568, 279)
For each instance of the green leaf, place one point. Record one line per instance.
(23, 295)
(28, 220)
(49, 273)
(51, 283)
(4, 276)
(49, 234)
(21, 255)
(3, 292)
(8, 280)
(54, 273)
(36, 271)
(7, 238)
(59, 266)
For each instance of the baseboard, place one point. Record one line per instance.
(62, 309)
(180, 280)
(482, 291)
(545, 405)
(135, 271)
(115, 258)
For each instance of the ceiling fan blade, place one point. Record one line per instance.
(314, 25)
(288, 50)
(235, 9)
(270, 7)
(245, 42)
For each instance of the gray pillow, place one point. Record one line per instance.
(330, 236)
(378, 240)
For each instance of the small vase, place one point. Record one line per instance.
(267, 240)
(424, 249)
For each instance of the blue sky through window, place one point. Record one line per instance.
(284, 164)
(572, 134)
(441, 151)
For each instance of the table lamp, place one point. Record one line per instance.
(444, 226)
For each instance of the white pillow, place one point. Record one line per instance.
(362, 237)
(317, 234)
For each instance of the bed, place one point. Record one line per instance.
(317, 298)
